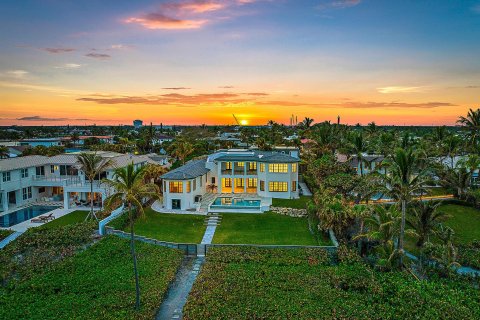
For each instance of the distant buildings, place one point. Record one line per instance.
(137, 124)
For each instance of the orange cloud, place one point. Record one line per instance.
(159, 21)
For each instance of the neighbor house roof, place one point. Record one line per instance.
(259, 156)
(191, 170)
(22, 162)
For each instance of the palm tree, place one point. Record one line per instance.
(211, 188)
(458, 178)
(358, 147)
(74, 138)
(402, 182)
(130, 188)
(153, 172)
(307, 122)
(92, 165)
(181, 149)
(424, 220)
(471, 123)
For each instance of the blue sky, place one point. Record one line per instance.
(385, 61)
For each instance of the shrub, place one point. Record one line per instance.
(469, 254)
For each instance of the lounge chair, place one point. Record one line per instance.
(43, 219)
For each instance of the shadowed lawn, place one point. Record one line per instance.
(71, 218)
(300, 203)
(5, 233)
(267, 228)
(465, 221)
(184, 228)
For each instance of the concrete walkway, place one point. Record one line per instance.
(9, 239)
(158, 207)
(23, 226)
(172, 306)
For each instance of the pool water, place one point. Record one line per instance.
(236, 203)
(24, 214)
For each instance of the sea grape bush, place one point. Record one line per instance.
(469, 254)
(246, 283)
(96, 283)
(4, 234)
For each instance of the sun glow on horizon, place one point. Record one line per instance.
(244, 122)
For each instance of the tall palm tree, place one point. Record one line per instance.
(92, 165)
(404, 179)
(358, 147)
(181, 149)
(307, 122)
(424, 219)
(471, 123)
(130, 188)
(74, 138)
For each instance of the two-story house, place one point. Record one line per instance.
(235, 176)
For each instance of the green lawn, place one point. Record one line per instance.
(441, 191)
(300, 203)
(97, 283)
(253, 283)
(71, 218)
(465, 221)
(267, 228)
(182, 228)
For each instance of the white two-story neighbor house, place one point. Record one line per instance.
(232, 180)
(31, 184)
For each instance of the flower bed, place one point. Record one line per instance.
(246, 283)
(291, 212)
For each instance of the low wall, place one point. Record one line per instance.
(102, 223)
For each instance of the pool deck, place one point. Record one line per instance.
(23, 226)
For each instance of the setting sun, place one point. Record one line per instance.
(244, 122)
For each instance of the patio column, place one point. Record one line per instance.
(66, 197)
(5, 200)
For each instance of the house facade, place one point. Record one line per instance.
(252, 173)
(30, 179)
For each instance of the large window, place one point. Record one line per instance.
(262, 167)
(278, 167)
(6, 176)
(294, 167)
(176, 187)
(40, 171)
(24, 173)
(226, 182)
(294, 186)
(277, 186)
(189, 186)
(252, 166)
(251, 182)
(239, 182)
(240, 164)
(262, 185)
(27, 193)
(228, 166)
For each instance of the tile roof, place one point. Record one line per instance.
(191, 170)
(260, 156)
(22, 162)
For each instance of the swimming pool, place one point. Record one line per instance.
(235, 203)
(24, 214)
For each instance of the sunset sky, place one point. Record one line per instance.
(193, 62)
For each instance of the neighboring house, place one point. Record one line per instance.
(30, 179)
(16, 151)
(81, 139)
(263, 174)
(46, 142)
(370, 163)
(161, 138)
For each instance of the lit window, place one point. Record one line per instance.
(294, 186)
(278, 186)
(294, 167)
(278, 167)
(251, 182)
(262, 167)
(228, 166)
(239, 182)
(176, 187)
(226, 182)
(189, 186)
(240, 164)
(252, 166)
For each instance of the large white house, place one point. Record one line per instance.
(234, 179)
(55, 180)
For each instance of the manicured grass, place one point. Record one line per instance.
(252, 283)
(438, 191)
(97, 283)
(465, 221)
(267, 228)
(5, 233)
(300, 203)
(182, 228)
(71, 218)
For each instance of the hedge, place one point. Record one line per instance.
(244, 283)
(97, 283)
